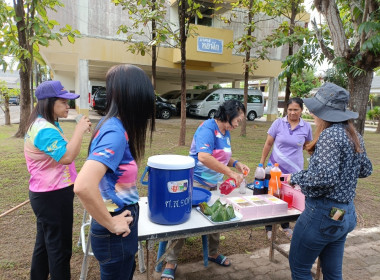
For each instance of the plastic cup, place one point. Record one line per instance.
(288, 197)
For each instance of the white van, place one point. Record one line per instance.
(207, 103)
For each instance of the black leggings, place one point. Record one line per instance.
(53, 248)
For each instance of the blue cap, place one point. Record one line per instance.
(260, 165)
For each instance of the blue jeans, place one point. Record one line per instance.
(116, 254)
(316, 234)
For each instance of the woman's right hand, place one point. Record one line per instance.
(237, 177)
(121, 222)
(84, 125)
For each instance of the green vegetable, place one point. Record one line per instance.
(216, 205)
(230, 212)
(219, 212)
(205, 208)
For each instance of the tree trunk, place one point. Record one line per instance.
(294, 11)
(378, 126)
(359, 88)
(7, 114)
(182, 27)
(26, 64)
(154, 49)
(243, 130)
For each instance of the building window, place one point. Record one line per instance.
(207, 11)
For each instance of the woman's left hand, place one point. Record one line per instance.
(243, 168)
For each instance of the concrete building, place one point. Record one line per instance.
(209, 61)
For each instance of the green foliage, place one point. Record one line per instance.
(39, 30)
(141, 15)
(200, 87)
(303, 83)
(333, 75)
(374, 114)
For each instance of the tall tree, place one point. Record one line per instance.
(294, 34)
(247, 44)
(142, 13)
(355, 36)
(5, 93)
(141, 39)
(24, 28)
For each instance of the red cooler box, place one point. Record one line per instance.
(298, 196)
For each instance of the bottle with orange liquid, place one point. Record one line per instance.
(274, 187)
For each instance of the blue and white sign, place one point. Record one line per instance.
(209, 45)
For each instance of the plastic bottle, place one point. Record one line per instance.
(267, 177)
(259, 180)
(227, 186)
(243, 184)
(274, 182)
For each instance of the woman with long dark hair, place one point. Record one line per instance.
(106, 184)
(50, 161)
(338, 159)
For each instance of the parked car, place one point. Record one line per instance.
(14, 100)
(174, 96)
(207, 103)
(164, 109)
(99, 101)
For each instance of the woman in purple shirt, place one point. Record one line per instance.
(288, 137)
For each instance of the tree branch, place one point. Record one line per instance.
(318, 33)
(364, 19)
(330, 11)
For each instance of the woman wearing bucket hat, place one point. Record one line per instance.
(211, 150)
(338, 159)
(50, 162)
(106, 184)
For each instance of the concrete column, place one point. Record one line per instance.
(82, 87)
(272, 103)
(82, 13)
(235, 84)
(210, 86)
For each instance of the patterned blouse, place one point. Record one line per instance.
(334, 167)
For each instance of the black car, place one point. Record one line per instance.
(164, 109)
(14, 100)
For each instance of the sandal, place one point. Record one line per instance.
(288, 232)
(169, 273)
(220, 259)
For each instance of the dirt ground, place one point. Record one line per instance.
(18, 233)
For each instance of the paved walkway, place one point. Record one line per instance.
(361, 262)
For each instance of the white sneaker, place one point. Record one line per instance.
(269, 234)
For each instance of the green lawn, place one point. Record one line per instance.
(18, 228)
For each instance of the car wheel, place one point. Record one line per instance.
(211, 114)
(251, 116)
(165, 114)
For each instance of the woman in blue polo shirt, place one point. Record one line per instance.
(211, 150)
(106, 184)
